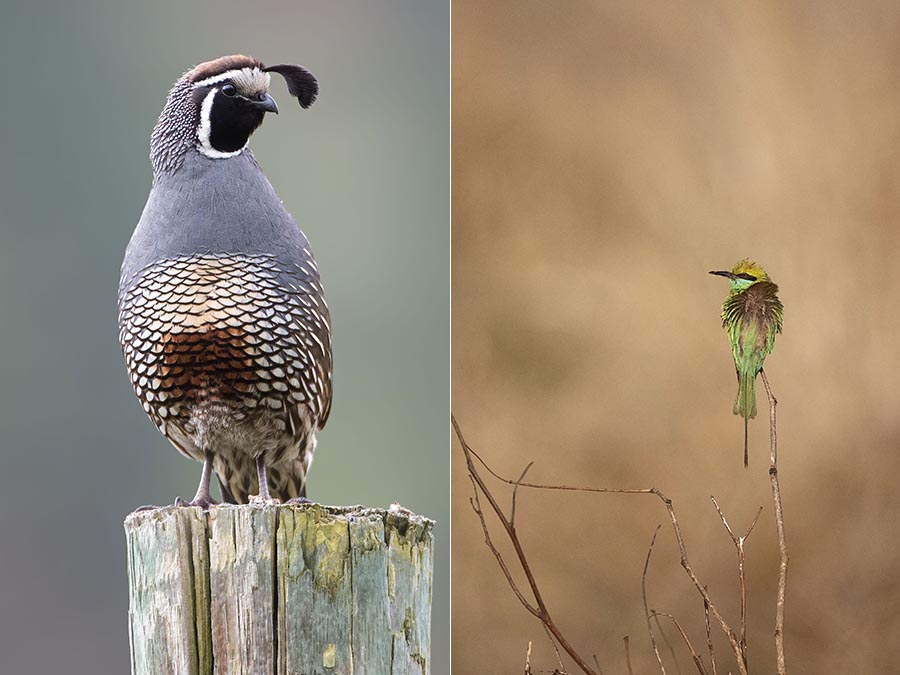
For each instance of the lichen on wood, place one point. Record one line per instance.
(287, 590)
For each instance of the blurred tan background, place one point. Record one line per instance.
(606, 155)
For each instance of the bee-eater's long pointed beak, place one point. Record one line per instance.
(722, 273)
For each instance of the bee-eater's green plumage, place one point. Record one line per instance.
(751, 315)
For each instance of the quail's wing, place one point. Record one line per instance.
(306, 319)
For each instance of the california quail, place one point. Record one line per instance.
(222, 318)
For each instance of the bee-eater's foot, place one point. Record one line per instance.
(203, 501)
(299, 500)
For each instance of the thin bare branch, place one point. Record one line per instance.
(512, 514)
(746, 534)
(562, 666)
(694, 655)
(476, 478)
(528, 659)
(476, 506)
(779, 527)
(729, 632)
(597, 663)
(539, 486)
(709, 642)
(540, 610)
(662, 668)
(665, 639)
(738, 542)
(628, 657)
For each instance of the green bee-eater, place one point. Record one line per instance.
(752, 314)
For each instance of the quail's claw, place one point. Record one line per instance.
(202, 498)
(299, 500)
(147, 507)
(204, 502)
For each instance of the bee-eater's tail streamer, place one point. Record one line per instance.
(746, 424)
(745, 403)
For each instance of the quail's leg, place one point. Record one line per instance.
(263, 497)
(202, 498)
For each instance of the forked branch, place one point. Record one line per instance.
(738, 542)
(701, 669)
(537, 607)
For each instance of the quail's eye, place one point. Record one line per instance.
(229, 90)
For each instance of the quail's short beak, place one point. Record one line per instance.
(267, 103)
(724, 274)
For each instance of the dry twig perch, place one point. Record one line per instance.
(662, 668)
(779, 527)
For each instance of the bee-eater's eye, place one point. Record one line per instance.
(748, 277)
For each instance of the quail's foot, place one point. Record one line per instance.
(299, 500)
(264, 498)
(204, 502)
(202, 498)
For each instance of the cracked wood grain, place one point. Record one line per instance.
(281, 590)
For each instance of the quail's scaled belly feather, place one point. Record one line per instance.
(222, 316)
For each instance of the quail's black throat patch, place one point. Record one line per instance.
(231, 121)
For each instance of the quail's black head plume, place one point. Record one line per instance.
(222, 318)
(301, 83)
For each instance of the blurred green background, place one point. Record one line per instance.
(365, 172)
(606, 155)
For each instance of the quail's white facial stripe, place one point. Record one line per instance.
(205, 129)
(245, 79)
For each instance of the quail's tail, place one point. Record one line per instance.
(227, 496)
(745, 403)
(238, 480)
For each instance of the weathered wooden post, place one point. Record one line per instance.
(279, 590)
